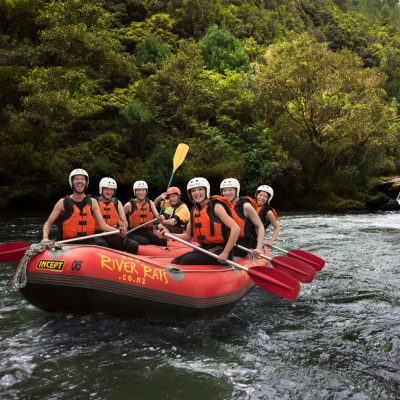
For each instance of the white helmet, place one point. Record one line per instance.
(198, 182)
(140, 185)
(230, 183)
(107, 183)
(78, 171)
(266, 188)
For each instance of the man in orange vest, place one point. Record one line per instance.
(78, 213)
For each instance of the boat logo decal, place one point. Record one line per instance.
(132, 270)
(51, 265)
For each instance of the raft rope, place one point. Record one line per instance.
(20, 279)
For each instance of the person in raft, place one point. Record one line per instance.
(175, 211)
(138, 211)
(78, 213)
(268, 215)
(210, 225)
(113, 214)
(244, 214)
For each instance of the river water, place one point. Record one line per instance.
(339, 340)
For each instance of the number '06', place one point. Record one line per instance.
(76, 265)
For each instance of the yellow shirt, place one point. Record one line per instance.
(182, 211)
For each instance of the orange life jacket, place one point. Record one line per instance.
(138, 216)
(247, 228)
(77, 219)
(109, 212)
(206, 227)
(263, 211)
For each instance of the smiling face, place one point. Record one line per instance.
(198, 194)
(262, 198)
(79, 184)
(229, 193)
(107, 193)
(141, 193)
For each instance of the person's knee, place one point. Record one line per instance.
(101, 242)
(140, 240)
(132, 246)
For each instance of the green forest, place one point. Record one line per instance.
(301, 95)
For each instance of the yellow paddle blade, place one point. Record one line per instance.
(180, 155)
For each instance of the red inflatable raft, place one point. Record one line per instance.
(86, 279)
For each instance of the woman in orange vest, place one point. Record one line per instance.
(245, 215)
(78, 213)
(112, 211)
(268, 215)
(210, 225)
(138, 211)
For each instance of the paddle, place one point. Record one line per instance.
(269, 279)
(12, 251)
(77, 239)
(316, 262)
(15, 250)
(297, 269)
(179, 158)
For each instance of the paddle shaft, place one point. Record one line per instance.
(278, 248)
(232, 263)
(249, 251)
(6, 256)
(24, 248)
(77, 239)
(141, 226)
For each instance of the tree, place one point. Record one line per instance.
(328, 112)
(222, 51)
(150, 53)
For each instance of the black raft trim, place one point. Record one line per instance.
(136, 291)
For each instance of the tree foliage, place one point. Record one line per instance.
(222, 51)
(302, 95)
(327, 110)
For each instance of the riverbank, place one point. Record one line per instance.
(380, 195)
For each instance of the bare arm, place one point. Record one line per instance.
(251, 213)
(57, 210)
(153, 208)
(127, 208)
(233, 234)
(121, 213)
(274, 222)
(160, 198)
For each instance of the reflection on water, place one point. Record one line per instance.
(339, 340)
